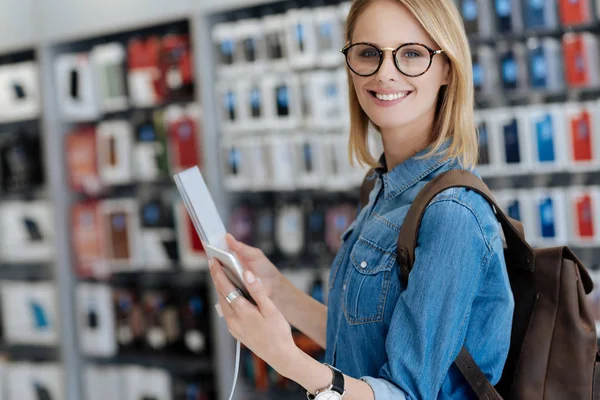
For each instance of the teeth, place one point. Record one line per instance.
(391, 97)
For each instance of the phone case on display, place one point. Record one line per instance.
(316, 247)
(76, 87)
(29, 313)
(223, 35)
(485, 73)
(337, 220)
(150, 148)
(282, 99)
(242, 225)
(30, 227)
(111, 77)
(21, 162)
(121, 222)
(177, 67)
(82, 163)
(484, 143)
(508, 16)
(130, 323)
(544, 60)
(582, 126)
(469, 12)
(550, 210)
(511, 142)
(265, 230)
(115, 148)
(330, 36)
(575, 12)
(282, 163)
(585, 217)
(274, 27)
(163, 327)
(87, 240)
(259, 175)
(513, 66)
(145, 77)
(290, 230)
(580, 55)
(192, 390)
(19, 91)
(184, 138)
(310, 161)
(301, 38)
(96, 320)
(158, 236)
(540, 14)
(585, 214)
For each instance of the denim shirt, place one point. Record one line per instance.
(403, 340)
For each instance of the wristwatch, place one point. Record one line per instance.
(335, 391)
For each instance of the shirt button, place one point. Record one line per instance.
(344, 286)
(363, 264)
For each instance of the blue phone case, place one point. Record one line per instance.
(547, 218)
(39, 315)
(538, 68)
(504, 15)
(545, 139)
(510, 70)
(511, 142)
(534, 14)
(514, 210)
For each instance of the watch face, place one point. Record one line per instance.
(329, 395)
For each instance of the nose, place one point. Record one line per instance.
(388, 71)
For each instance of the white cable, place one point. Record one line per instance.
(237, 367)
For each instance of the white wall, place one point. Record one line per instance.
(68, 20)
(17, 28)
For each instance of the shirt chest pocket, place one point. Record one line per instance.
(367, 282)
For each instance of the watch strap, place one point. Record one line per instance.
(337, 384)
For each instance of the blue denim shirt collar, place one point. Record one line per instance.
(411, 171)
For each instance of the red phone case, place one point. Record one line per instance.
(585, 216)
(581, 135)
(575, 60)
(574, 12)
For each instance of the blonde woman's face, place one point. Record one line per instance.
(388, 97)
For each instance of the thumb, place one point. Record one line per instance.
(257, 291)
(244, 251)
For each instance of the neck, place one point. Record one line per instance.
(402, 143)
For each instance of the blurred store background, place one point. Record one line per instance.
(104, 286)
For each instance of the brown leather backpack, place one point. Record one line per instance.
(553, 352)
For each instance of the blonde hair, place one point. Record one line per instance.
(455, 117)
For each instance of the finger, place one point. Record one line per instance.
(219, 310)
(244, 251)
(257, 291)
(224, 288)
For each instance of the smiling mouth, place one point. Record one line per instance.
(389, 97)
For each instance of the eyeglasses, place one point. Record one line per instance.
(411, 59)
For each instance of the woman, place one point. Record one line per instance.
(409, 69)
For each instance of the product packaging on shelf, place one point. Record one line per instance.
(546, 70)
(301, 38)
(145, 77)
(580, 53)
(185, 137)
(550, 217)
(546, 126)
(584, 215)
(177, 68)
(329, 36)
(33, 381)
(87, 238)
(29, 232)
(19, 92)
(21, 161)
(485, 71)
(509, 16)
(150, 149)
(582, 125)
(478, 17)
(191, 251)
(109, 61)
(512, 61)
(120, 219)
(29, 315)
(290, 230)
(575, 12)
(540, 15)
(96, 320)
(82, 160)
(76, 87)
(115, 149)
(158, 236)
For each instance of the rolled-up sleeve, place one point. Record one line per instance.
(428, 325)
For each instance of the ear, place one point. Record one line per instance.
(446, 71)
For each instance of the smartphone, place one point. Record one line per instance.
(232, 267)
(209, 226)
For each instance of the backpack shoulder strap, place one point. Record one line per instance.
(366, 188)
(407, 239)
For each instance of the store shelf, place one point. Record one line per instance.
(175, 364)
(26, 271)
(148, 279)
(526, 179)
(29, 352)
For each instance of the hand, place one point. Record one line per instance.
(261, 328)
(253, 259)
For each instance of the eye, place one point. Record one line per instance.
(411, 54)
(369, 53)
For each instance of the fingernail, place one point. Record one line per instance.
(219, 310)
(250, 277)
(210, 263)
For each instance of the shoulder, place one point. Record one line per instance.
(465, 211)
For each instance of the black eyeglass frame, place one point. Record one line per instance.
(432, 53)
